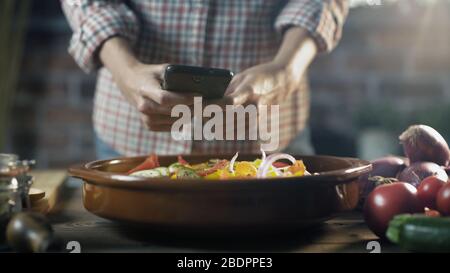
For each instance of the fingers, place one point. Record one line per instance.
(222, 103)
(165, 98)
(246, 92)
(148, 107)
(160, 71)
(241, 94)
(155, 70)
(159, 128)
(233, 84)
(158, 123)
(268, 99)
(156, 117)
(150, 88)
(162, 119)
(240, 89)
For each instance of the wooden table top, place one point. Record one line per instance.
(344, 233)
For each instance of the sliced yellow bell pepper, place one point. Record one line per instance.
(298, 169)
(213, 176)
(245, 169)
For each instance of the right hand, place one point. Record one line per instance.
(141, 86)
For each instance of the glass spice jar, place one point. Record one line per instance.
(10, 200)
(9, 195)
(15, 184)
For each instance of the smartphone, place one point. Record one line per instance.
(211, 83)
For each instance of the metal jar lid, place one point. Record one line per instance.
(7, 162)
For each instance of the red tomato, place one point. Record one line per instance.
(443, 200)
(388, 200)
(280, 164)
(149, 163)
(219, 165)
(427, 191)
(182, 161)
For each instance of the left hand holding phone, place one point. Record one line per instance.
(141, 85)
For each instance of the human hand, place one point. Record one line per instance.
(263, 84)
(141, 86)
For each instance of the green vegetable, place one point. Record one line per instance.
(184, 172)
(213, 162)
(420, 233)
(163, 171)
(174, 167)
(147, 173)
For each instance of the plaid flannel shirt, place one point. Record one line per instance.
(231, 34)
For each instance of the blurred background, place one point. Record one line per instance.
(391, 69)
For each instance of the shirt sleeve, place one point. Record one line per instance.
(323, 19)
(95, 21)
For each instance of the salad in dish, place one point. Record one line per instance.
(221, 169)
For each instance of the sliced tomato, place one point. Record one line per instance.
(150, 163)
(280, 164)
(219, 165)
(182, 161)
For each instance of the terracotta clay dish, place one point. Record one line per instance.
(225, 204)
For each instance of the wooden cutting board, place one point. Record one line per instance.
(46, 189)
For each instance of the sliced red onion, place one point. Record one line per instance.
(276, 170)
(264, 168)
(263, 157)
(231, 168)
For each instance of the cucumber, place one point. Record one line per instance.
(184, 172)
(420, 233)
(174, 167)
(163, 171)
(147, 173)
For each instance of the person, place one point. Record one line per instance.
(268, 44)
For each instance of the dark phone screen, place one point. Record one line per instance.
(211, 83)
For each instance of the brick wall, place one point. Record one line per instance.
(392, 68)
(52, 115)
